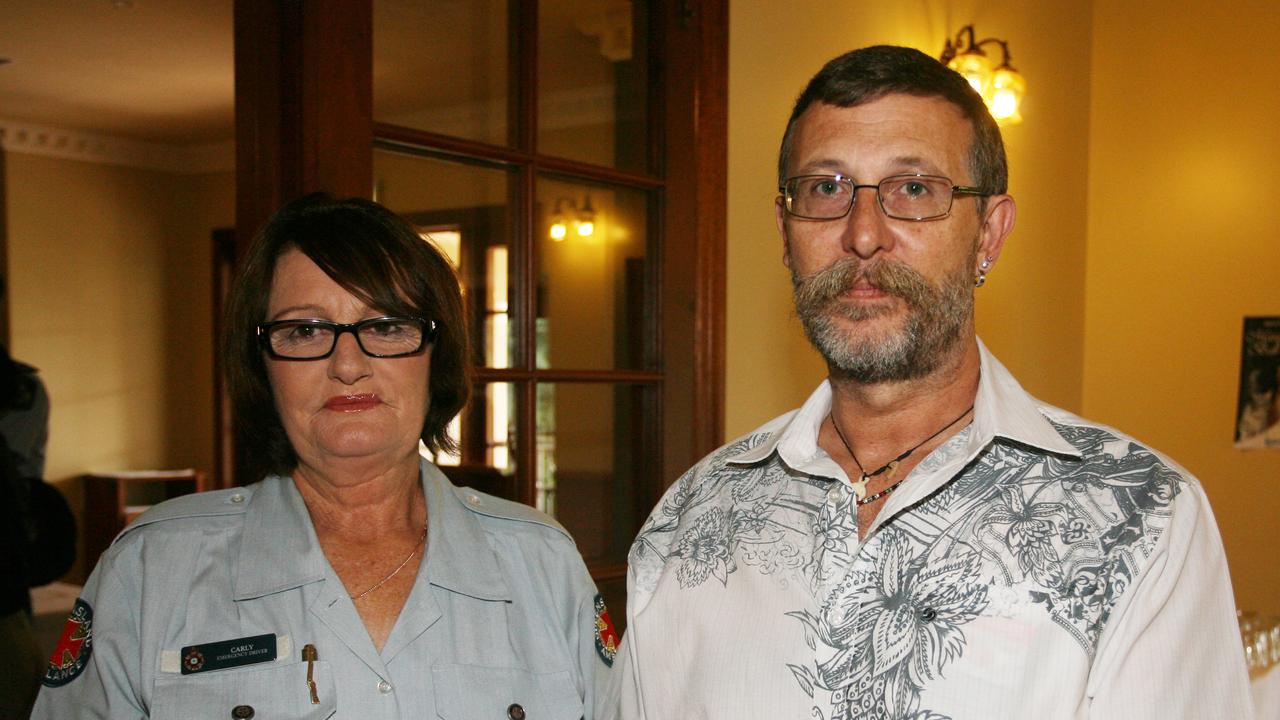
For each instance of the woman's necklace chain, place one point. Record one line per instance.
(399, 567)
(860, 486)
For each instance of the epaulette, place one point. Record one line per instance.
(496, 507)
(231, 501)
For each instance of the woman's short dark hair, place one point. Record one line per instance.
(871, 73)
(377, 257)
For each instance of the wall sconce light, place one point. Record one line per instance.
(568, 213)
(1001, 86)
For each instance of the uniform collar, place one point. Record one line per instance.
(459, 555)
(279, 549)
(1002, 408)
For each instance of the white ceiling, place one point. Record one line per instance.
(162, 71)
(152, 70)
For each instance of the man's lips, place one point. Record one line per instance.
(352, 403)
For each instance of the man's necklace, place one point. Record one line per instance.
(399, 567)
(889, 468)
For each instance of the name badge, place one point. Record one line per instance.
(228, 654)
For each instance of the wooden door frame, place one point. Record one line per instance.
(304, 108)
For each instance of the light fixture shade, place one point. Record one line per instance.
(1007, 89)
(976, 68)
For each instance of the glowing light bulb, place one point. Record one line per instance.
(558, 230)
(586, 228)
(1007, 89)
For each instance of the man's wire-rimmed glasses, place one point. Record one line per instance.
(380, 337)
(903, 197)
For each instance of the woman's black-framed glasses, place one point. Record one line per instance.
(902, 197)
(380, 337)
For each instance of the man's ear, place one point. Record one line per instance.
(997, 224)
(780, 218)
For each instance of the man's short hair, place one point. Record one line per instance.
(871, 73)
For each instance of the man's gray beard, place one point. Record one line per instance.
(935, 318)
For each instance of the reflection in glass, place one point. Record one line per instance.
(485, 432)
(593, 80)
(442, 67)
(591, 245)
(463, 210)
(591, 455)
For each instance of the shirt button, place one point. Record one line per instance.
(237, 499)
(242, 712)
(474, 501)
(515, 711)
(384, 687)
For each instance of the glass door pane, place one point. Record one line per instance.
(592, 455)
(592, 248)
(465, 210)
(593, 81)
(443, 67)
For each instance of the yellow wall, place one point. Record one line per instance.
(1031, 311)
(1184, 241)
(110, 277)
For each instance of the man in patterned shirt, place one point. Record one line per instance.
(921, 539)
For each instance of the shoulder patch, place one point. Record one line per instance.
(71, 655)
(496, 507)
(606, 635)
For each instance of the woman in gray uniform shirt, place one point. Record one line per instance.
(353, 580)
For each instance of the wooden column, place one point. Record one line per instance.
(304, 104)
(695, 164)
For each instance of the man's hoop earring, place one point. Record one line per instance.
(980, 280)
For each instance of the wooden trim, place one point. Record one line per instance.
(4, 256)
(304, 103)
(617, 377)
(398, 137)
(695, 164)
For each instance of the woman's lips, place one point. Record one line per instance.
(352, 403)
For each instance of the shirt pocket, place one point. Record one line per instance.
(474, 692)
(273, 692)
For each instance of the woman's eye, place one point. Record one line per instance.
(388, 328)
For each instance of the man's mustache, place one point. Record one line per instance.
(820, 288)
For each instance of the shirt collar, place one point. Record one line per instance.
(459, 555)
(279, 549)
(1002, 408)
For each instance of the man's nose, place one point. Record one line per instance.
(867, 228)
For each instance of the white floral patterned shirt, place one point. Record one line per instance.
(1035, 565)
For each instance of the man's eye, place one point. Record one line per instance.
(915, 189)
(827, 188)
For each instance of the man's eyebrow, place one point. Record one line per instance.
(829, 164)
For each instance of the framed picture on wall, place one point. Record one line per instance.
(1258, 408)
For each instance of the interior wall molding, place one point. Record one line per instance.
(32, 139)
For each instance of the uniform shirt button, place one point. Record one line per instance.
(242, 712)
(237, 499)
(384, 687)
(515, 711)
(474, 500)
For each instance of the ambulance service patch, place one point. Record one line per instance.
(71, 655)
(606, 635)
